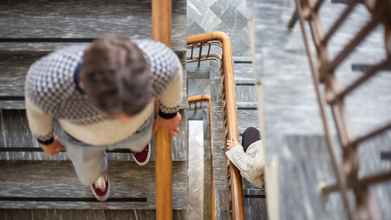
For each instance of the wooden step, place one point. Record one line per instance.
(16, 142)
(76, 21)
(54, 185)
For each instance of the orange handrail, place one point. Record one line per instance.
(163, 172)
(231, 114)
(161, 31)
(161, 21)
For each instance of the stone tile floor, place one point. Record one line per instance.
(230, 16)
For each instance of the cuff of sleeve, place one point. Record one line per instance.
(46, 142)
(166, 109)
(167, 115)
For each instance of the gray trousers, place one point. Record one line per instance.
(90, 161)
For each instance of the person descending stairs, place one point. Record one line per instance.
(103, 96)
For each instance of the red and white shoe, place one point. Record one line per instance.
(101, 188)
(142, 158)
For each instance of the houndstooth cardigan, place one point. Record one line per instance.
(52, 93)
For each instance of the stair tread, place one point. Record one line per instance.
(35, 152)
(243, 69)
(15, 133)
(75, 19)
(46, 180)
(102, 214)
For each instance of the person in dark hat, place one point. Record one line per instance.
(248, 157)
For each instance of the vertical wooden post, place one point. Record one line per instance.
(161, 31)
(163, 173)
(161, 21)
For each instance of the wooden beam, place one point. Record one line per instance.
(163, 172)
(161, 21)
(161, 31)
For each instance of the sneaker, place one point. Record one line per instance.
(101, 188)
(142, 158)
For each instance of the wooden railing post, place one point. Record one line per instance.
(161, 21)
(163, 172)
(161, 31)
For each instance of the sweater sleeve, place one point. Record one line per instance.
(171, 98)
(250, 163)
(167, 75)
(40, 123)
(240, 159)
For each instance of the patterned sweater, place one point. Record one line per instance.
(52, 92)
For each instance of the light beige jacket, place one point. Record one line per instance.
(250, 163)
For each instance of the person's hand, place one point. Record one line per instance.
(171, 125)
(231, 143)
(53, 148)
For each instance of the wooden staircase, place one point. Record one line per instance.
(35, 186)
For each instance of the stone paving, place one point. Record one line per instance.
(230, 16)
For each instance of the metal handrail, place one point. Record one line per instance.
(221, 40)
(323, 69)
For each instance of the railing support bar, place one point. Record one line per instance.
(161, 31)
(161, 21)
(163, 172)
